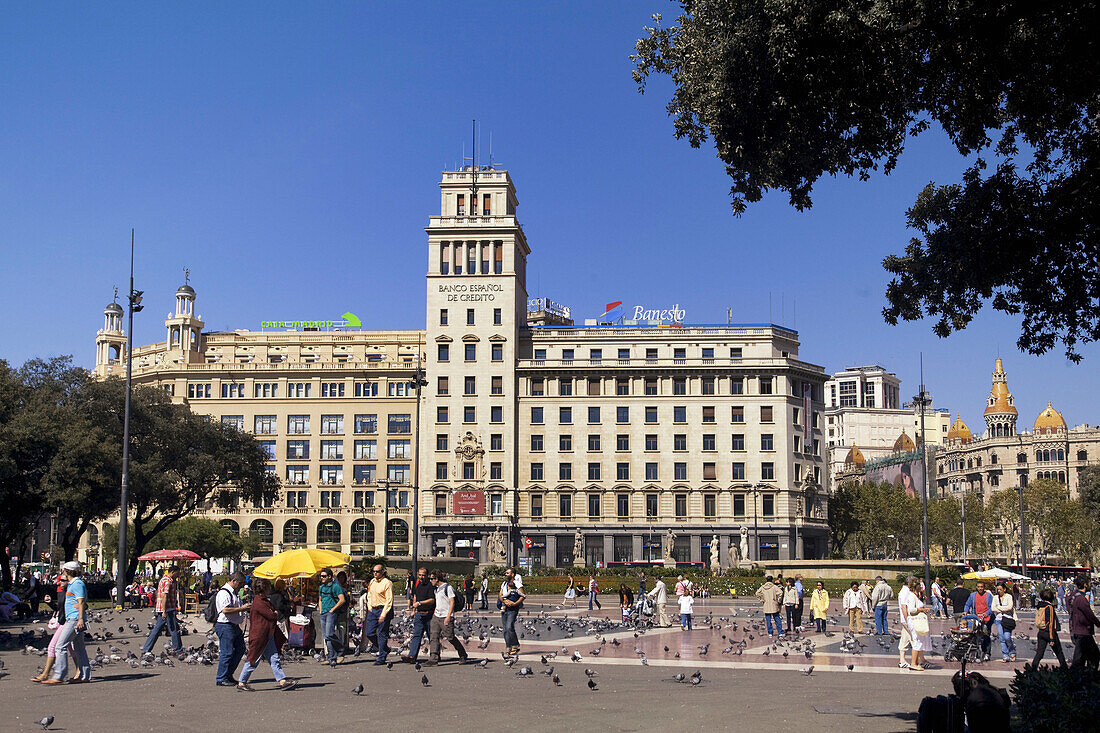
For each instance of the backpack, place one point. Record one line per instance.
(210, 612)
(459, 602)
(1047, 619)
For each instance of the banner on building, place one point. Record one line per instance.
(905, 470)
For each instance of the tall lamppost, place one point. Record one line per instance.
(923, 400)
(1023, 532)
(135, 306)
(417, 382)
(962, 503)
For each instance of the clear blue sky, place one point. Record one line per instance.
(288, 154)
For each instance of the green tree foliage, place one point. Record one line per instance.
(1088, 489)
(203, 536)
(793, 90)
(871, 514)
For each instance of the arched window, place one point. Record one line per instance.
(93, 536)
(362, 532)
(231, 526)
(263, 530)
(1061, 454)
(398, 531)
(1038, 455)
(1082, 455)
(328, 531)
(294, 532)
(1062, 476)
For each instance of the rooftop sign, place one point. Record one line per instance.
(347, 320)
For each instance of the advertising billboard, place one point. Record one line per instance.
(468, 502)
(905, 470)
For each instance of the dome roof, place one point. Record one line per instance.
(1050, 421)
(186, 290)
(855, 457)
(113, 308)
(904, 444)
(1000, 399)
(959, 431)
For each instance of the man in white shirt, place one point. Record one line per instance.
(853, 605)
(443, 625)
(659, 594)
(228, 628)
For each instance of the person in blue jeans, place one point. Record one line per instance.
(422, 606)
(593, 591)
(378, 604)
(332, 601)
(511, 601)
(74, 610)
(228, 628)
(880, 601)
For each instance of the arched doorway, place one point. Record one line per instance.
(294, 532)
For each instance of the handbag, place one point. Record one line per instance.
(920, 623)
(1008, 623)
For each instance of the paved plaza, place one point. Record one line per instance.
(754, 690)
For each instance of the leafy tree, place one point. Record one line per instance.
(870, 514)
(203, 536)
(790, 91)
(843, 517)
(1088, 489)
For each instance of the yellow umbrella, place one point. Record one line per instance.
(302, 563)
(993, 574)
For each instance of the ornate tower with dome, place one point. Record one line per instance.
(1000, 412)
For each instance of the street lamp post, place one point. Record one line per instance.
(134, 303)
(1023, 532)
(962, 502)
(417, 382)
(923, 400)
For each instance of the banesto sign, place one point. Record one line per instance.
(675, 314)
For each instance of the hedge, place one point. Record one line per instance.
(1051, 699)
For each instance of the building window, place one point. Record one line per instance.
(593, 416)
(679, 386)
(366, 389)
(398, 474)
(593, 472)
(651, 441)
(469, 386)
(594, 387)
(765, 385)
(363, 474)
(496, 441)
(738, 442)
(848, 395)
(399, 389)
(443, 311)
(624, 354)
(766, 414)
(468, 471)
(679, 355)
(536, 472)
(737, 385)
(565, 472)
(735, 352)
(738, 471)
(361, 500)
(767, 505)
(329, 500)
(537, 388)
(496, 316)
(709, 442)
(565, 415)
(332, 450)
(443, 386)
(536, 444)
(332, 389)
(332, 424)
(651, 414)
(496, 414)
(622, 471)
(708, 413)
(399, 449)
(298, 389)
(294, 500)
(400, 423)
(622, 387)
(565, 505)
(536, 416)
(469, 316)
(565, 387)
(767, 471)
(442, 416)
(495, 471)
(680, 441)
(269, 449)
(738, 505)
(469, 414)
(593, 443)
(651, 505)
(707, 385)
(710, 506)
(737, 414)
(650, 386)
(767, 442)
(651, 472)
(266, 424)
(496, 386)
(593, 506)
(595, 355)
(679, 471)
(536, 505)
(196, 390)
(265, 389)
(297, 475)
(297, 424)
(567, 356)
(496, 504)
(565, 443)
(497, 351)
(622, 442)
(232, 390)
(679, 414)
(622, 415)
(443, 352)
(681, 503)
(470, 352)
(651, 356)
(441, 471)
(622, 505)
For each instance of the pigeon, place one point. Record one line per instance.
(424, 680)
(576, 657)
(592, 684)
(591, 672)
(46, 722)
(679, 677)
(645, 662)
(807, 670)
(358, 689)
(557, 681)
(483, 663)
(851, 667)
(524, 672)
(695, 681)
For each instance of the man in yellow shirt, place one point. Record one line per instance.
(379, 609)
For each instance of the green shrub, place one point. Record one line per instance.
(1052, 699)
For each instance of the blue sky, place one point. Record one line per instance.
(289, 155)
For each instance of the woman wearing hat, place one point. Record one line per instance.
(72, 629)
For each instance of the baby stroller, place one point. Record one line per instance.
(964, 645)
(641, 613)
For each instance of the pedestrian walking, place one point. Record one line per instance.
(469, 588)
(57, 623)
(72, 614)
(641, 585)
(1004, 619)
(880, 600)
(442, 622)
(1046, 621)
(801, 600)
(939, 609)
(790, 603)
(166, 611)
(510, 602)
(331, 598)
(484, 592)
(265, 640)
(770, 597)
(1081, 623)
(379, 612)
(958, 596)
(687, 605)
(626, 601)
(980, 604)
(819, 605)
(853, 606)
(570, 592)
(865, 591)
(421, 607)
(593, 591)
(227, 626)
(914, 623)
(659, 594)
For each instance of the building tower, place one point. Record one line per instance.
(477, 305)
(184, 327)
(1000, 413)
(110, 341)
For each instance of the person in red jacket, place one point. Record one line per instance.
(1081, 622)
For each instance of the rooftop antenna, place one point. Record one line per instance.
(186, 276)
(729, 316)
(116, 294)
(473, 163)
(490, 148)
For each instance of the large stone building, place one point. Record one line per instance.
(1003, 457)
(865, 418)
(573, 444)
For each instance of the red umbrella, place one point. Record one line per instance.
(170, 555)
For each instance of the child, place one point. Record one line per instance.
(686, 603)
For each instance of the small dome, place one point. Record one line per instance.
(904, 444)
(113, 308)
(854, 457)
(186, 290)
(1050, 421)
(959, 431)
